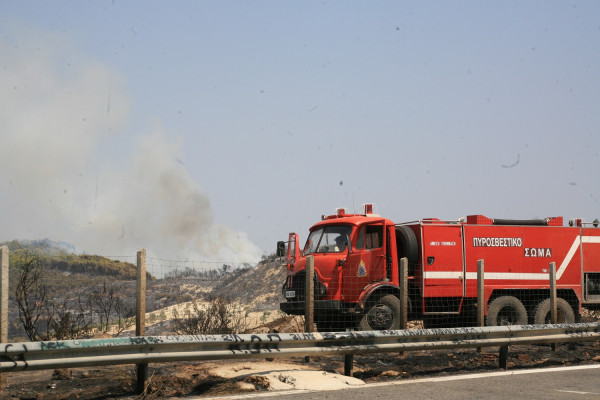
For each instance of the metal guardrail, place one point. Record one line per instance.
(149, 349)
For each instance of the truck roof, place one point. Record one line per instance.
(341, 217)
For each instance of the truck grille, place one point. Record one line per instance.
(297, 284)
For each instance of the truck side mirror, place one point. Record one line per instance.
(280, 249)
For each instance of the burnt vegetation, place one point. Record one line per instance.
(216, 316)
(55, 295)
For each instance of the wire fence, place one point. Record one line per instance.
(163, 268)
(71, 296)
(359, 282)
(188, 298)
(365, 302)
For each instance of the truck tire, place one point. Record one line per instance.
(383, 314)
(407, 245)
(564, 312)
(506, 310)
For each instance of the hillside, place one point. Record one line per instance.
(258, 287)
(59, 257)
(83, 283)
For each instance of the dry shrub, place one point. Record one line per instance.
(217, 316)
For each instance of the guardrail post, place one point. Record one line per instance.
(140, 318)
(403, 281)
(503, 357)
(3, 305)
(348, 364)
(553, 311)
(309, 297)
(480, 296)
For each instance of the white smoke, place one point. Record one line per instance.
(68, 172)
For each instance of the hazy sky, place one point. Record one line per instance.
(210, 130)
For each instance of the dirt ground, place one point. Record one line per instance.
(227, 377)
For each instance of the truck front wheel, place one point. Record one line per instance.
(383, 314)
(506, 310)
(564, 312)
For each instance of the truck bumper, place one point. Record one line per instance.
(297, 307)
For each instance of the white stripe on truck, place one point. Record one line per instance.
(518, 275)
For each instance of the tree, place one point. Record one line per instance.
(40, 317)
(124, 316)
(31, 296)
(110, 306)
(68, 324)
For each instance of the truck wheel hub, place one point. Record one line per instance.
(380, 317)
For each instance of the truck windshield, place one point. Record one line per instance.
(328, 239)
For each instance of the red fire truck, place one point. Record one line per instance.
(357, 258)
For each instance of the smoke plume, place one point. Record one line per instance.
(70, 171)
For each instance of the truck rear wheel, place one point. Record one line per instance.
(506, 310)
(564, 312)
(382, 314)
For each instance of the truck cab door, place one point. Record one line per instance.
(366, 262)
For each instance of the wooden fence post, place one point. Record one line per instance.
(403, 293)
(140, 317)
(309, 297)
(480, 296)
(3, 304)
(553, 311)
(403, 281)
(553, 316)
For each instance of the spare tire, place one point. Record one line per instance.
(407, 245)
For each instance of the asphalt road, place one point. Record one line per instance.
(565, 383)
